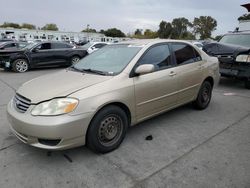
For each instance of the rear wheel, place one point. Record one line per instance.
(204, 96)
(107, 130)
(20, 65)
(247, 83)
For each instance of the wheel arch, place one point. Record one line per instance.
(121, 105)
(210, 80)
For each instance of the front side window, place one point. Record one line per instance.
(99, 45)
(185, 54)
(159, 56)
(111, 59)
(44, 46)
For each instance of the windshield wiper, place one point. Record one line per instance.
(94, 71)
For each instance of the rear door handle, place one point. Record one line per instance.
(172, 73)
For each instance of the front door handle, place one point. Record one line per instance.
(172, 73)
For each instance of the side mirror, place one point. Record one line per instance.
(35, 50)
(145, 69)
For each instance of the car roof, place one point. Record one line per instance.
(144, 42)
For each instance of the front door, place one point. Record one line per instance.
(156, 91)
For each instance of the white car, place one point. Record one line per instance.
(93, 46)
(198, 44)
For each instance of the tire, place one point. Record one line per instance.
(74, 60)
(107, 129)
(247, 84)
(20, 65)
(204, 96)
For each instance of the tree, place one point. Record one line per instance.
(149, 34)
(51, 27)
(114, 32)
(165, 30)
(244, 17)
(89, 30)
(28, 26)
(204, 26)
(180, 28)
(138, 32)
(9, 24)
(102, 31)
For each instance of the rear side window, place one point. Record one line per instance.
(60, 45)
(159, 56)
(185, 54)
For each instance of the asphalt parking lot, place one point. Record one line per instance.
(190, 148)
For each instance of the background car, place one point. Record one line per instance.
(42, 54)
(12, 45)
(232, 51)
(93, 46)
(96, 100)
(198, 44)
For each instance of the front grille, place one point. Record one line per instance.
(21, 103)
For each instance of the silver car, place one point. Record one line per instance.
(95, 101)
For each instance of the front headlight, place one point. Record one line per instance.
(55, 107)
(243, 58)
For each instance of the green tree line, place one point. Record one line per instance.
(179, 28)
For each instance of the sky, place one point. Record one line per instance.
(127, 15)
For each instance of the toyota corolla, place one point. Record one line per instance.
(95, 101)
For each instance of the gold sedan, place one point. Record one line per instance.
(96, 100)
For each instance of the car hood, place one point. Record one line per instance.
(60, 84)
(217, 49)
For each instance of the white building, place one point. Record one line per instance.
(43, 35)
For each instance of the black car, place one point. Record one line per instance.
(12, 45)
(41, 54)
(233, 52)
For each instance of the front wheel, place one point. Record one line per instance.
(20, 65)
(107, 129)
(204, 96)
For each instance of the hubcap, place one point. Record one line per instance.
(75, 60)
(21, 66)
(205, 95)
(110, 130)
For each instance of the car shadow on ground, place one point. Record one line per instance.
(231, 83)
(144, 129)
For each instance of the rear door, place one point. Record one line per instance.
(62, 53)
(189, 67)
(156, 91)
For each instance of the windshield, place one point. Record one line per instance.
(29, 46)
(236, 39)
(111, 59)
